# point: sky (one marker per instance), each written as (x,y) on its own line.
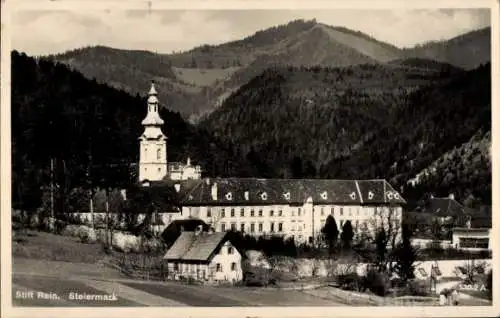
(165,31)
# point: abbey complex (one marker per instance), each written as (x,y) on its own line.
(294,208)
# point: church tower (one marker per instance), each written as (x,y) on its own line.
(153,143)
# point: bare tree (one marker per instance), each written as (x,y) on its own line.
(386,225)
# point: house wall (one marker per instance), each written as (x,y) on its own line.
(474,235)
(186,173)
(226,261)
(299,222)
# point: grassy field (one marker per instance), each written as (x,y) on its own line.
(46,246)
(203,77)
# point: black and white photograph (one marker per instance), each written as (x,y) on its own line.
(248,157)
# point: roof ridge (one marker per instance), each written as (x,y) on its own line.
(294,179)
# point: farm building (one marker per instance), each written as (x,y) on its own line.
(204,256)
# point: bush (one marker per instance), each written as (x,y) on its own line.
(351,281)
(257,276)
(377,282)
(416,288)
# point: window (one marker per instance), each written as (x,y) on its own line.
(209,213)
(298,212)
(223,227)
(222,213)
(260,227)
(271,213)
(272,227)
(260,212)
(159,169)
(332,210)
(293,212)
(242,227)
(230,250)
(341,211)
(280,213)
(473,242)
(252,212)
(350,211)
(233,266)
(219,267)
(233,226)
(322,211)
(232,213)
(242,212)
(252,227)
(280,227)
(158,154)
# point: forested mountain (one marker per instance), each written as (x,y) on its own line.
(310,122)
(88,127)
(466,51)
(197,81)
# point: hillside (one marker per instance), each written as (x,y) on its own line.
(309,122)
(432,122)
(311,115)
(466,51)
(58,113)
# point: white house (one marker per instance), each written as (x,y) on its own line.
(204,256)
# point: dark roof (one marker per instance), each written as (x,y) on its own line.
(445,207)
(196,247)
(291,191)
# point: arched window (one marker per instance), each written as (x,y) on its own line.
(158,154)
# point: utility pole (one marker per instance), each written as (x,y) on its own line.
(91,192)
(51,220)
(107,217)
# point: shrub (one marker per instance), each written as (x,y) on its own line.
(377,282)
(256,276)
(416,288)
(351,281)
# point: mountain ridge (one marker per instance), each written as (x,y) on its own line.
(197,80)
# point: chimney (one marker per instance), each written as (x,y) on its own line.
(214,191)
(451,196)
(177,187)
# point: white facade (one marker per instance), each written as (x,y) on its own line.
(298,222)
(153,143)
(473,239)
(180,171)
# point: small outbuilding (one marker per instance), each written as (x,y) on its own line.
(204,256)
